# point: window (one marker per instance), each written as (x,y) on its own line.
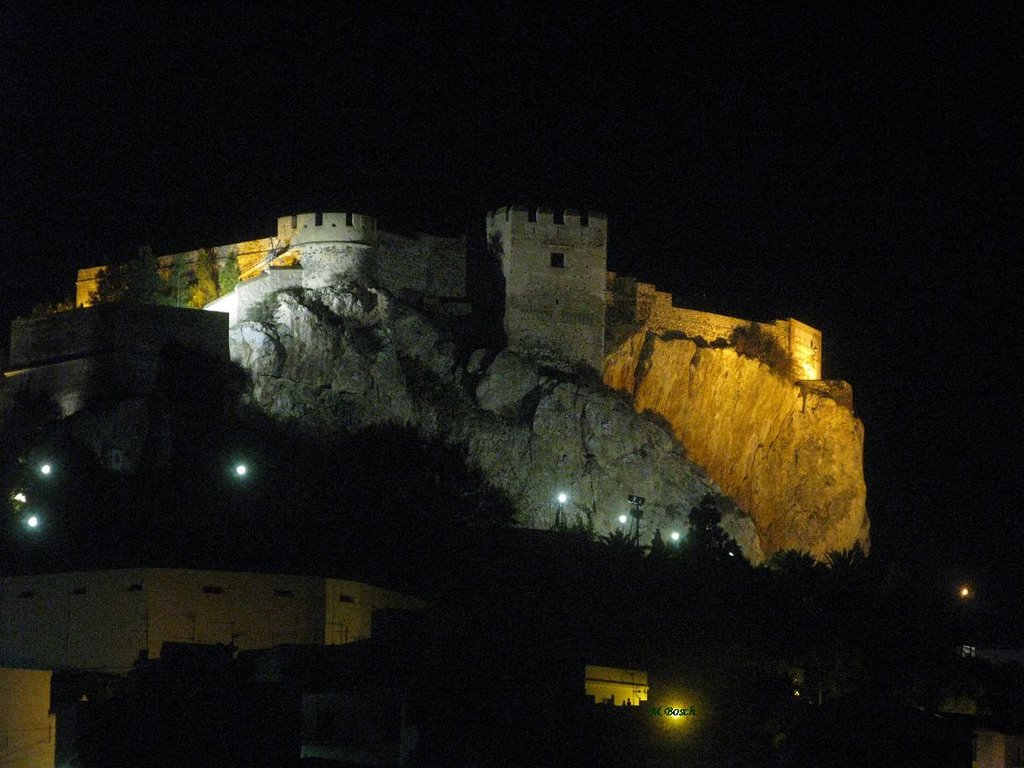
(346,599)
(318,219)
(213,590)
(348,219)
(559,217)
(531,214)
(584,219)
(284,593)
(295,221)
(134,588)
(115,459)
(558,260)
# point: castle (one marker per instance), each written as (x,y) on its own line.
(561,305)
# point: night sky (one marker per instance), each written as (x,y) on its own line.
(859,172)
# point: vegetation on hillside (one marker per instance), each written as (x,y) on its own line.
(752,341)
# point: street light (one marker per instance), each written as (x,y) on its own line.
(560,514)
(241,469)
(675,536)
(636,502)
(46,468)
(32,521)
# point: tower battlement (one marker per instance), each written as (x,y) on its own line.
(344,227)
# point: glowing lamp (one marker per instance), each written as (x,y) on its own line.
(964,592)
(241,469)
(19,496)
(32,521)
(562,498)
(46,469)
(623,519)
(675,536)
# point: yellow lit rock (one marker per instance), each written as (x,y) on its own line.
(789,454)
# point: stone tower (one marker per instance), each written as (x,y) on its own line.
(329,245)
(555,267)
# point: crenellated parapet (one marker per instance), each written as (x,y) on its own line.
(327,227)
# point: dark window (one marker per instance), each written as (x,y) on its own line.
(284,593)
(584,219)
(346,599)
(134,588)
(213,590)
(559,217)
(348,219)
(27,593)
(531,214)
(78,591)
(295,221)
(558,260)
(318,219)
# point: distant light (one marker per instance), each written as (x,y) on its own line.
(562,498)
(241,469)
(46,469)
(19,496)
(32,522)
(731,553)
(964,592)
(623,518)
(675,535)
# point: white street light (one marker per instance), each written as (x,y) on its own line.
(623,519)
(241,469)
(675,535)
(46,469)
(562,498)
(32,521)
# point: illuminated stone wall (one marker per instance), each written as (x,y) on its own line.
(101,620)
(27,729)
(634,304)
(555,274)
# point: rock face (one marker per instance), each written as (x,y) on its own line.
(790,456)
(349,356)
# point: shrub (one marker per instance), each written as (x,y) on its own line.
(751,340)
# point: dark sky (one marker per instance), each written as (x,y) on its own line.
(859,172)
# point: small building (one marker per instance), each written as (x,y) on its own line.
(106,620)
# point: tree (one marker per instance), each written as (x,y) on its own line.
(178,282)
(137,280)
(706,534)
(229,274)
(204,285)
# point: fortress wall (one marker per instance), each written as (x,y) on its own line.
(250,254)
(427,265)
(251,292)
(137,328)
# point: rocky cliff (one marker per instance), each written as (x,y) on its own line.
(348,356)
(789,454)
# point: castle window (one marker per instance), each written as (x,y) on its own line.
(213,590)
(584,219)
(558,260)
(134,588)
(115,459)
(531,214)
(346,599)
(559,217)
(295,221)
(318,219)
(348,219)
(284,593)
